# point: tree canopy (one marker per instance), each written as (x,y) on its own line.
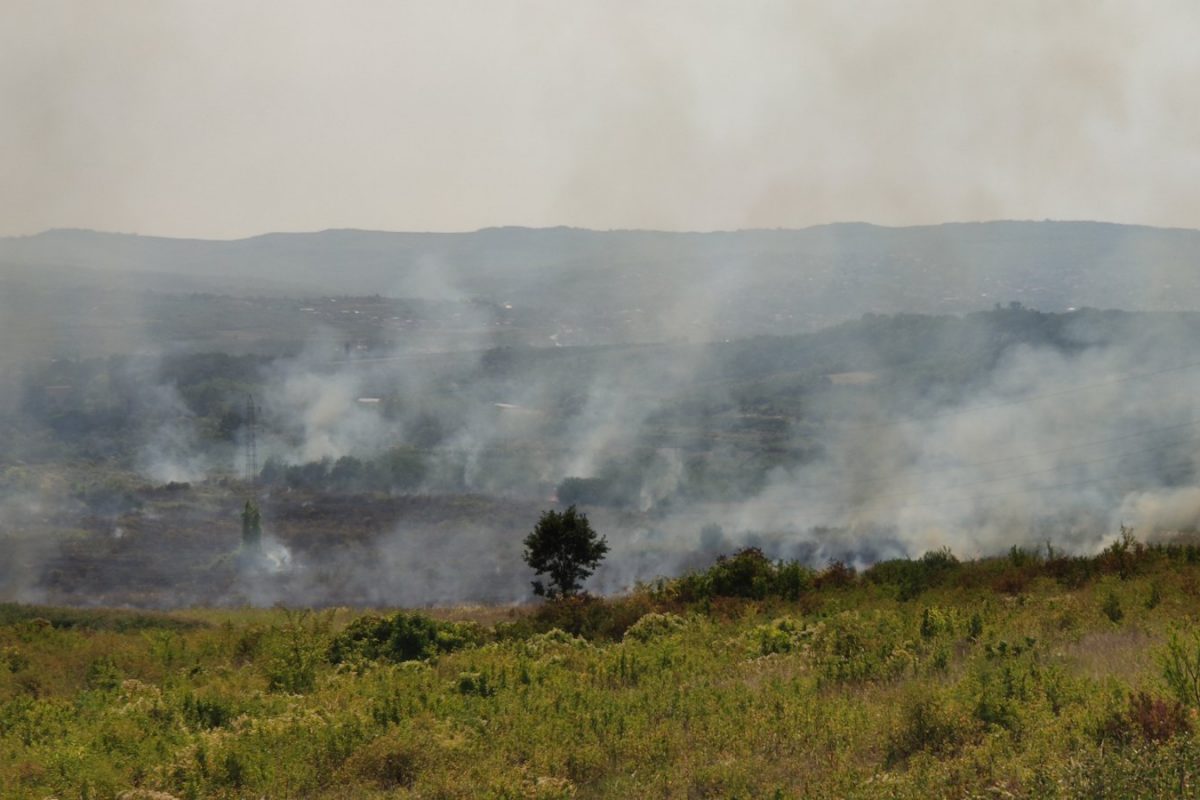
(564,547)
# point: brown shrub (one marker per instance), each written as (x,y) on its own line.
(837,575)
(1012,581)
(387,762)
(594,617)
(1157,719)
(1150,718)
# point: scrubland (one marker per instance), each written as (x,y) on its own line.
(1033,674)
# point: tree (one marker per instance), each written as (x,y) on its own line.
(564,547)
(251,528)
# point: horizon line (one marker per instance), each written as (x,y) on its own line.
(581,229)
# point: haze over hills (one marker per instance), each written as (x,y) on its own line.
(836,391)
(653,285)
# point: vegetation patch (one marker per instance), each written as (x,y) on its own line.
(854,689)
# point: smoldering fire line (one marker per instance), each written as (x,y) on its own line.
(1074,438)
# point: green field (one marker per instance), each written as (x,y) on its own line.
(1030,675)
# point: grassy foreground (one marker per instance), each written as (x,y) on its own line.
(1032,675)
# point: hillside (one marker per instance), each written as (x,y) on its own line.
(1031,675)
(654,285)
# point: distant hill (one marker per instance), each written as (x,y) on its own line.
(649,284)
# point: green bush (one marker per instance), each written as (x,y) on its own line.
(914,577)
(654,626)
(293,652)
(935,622)
(1180,663)
(475,683)
(103,674)
(207,711)
(852,647)
(593,618)
(387,762)
(400,637)
(748,574)
(926,725)
(975,627)
(1112,607)
(781,635)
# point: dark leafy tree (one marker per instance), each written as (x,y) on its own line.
(564,547)
(251,528)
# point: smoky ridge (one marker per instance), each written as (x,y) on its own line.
(403,445)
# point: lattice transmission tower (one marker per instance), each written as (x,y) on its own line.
(251,439)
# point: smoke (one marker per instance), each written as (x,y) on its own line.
(321,413)
(172,451)
(454,116)
(1060,442)
(869,440)
(1053,445)
(879,438)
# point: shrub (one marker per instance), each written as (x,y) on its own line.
(975,627)
(1019,557)
(293,652)
(1112,607)
(926,725)
(1156,719)
(400,637)
(475,683)
(1070,571)
(1123,555)
(850,647)
(387,762)
(1153,719)
(103,675)
(914,577)
(996,707)
(792,580)
(1180,663)
(837,575)
(653,626)
(1009,676)
(593,618)
(781,635)
(935,622)
(747,574)
(12,659)
(552,640)
(206,712)
(1012,581)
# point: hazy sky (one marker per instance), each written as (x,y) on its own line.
(219,118)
